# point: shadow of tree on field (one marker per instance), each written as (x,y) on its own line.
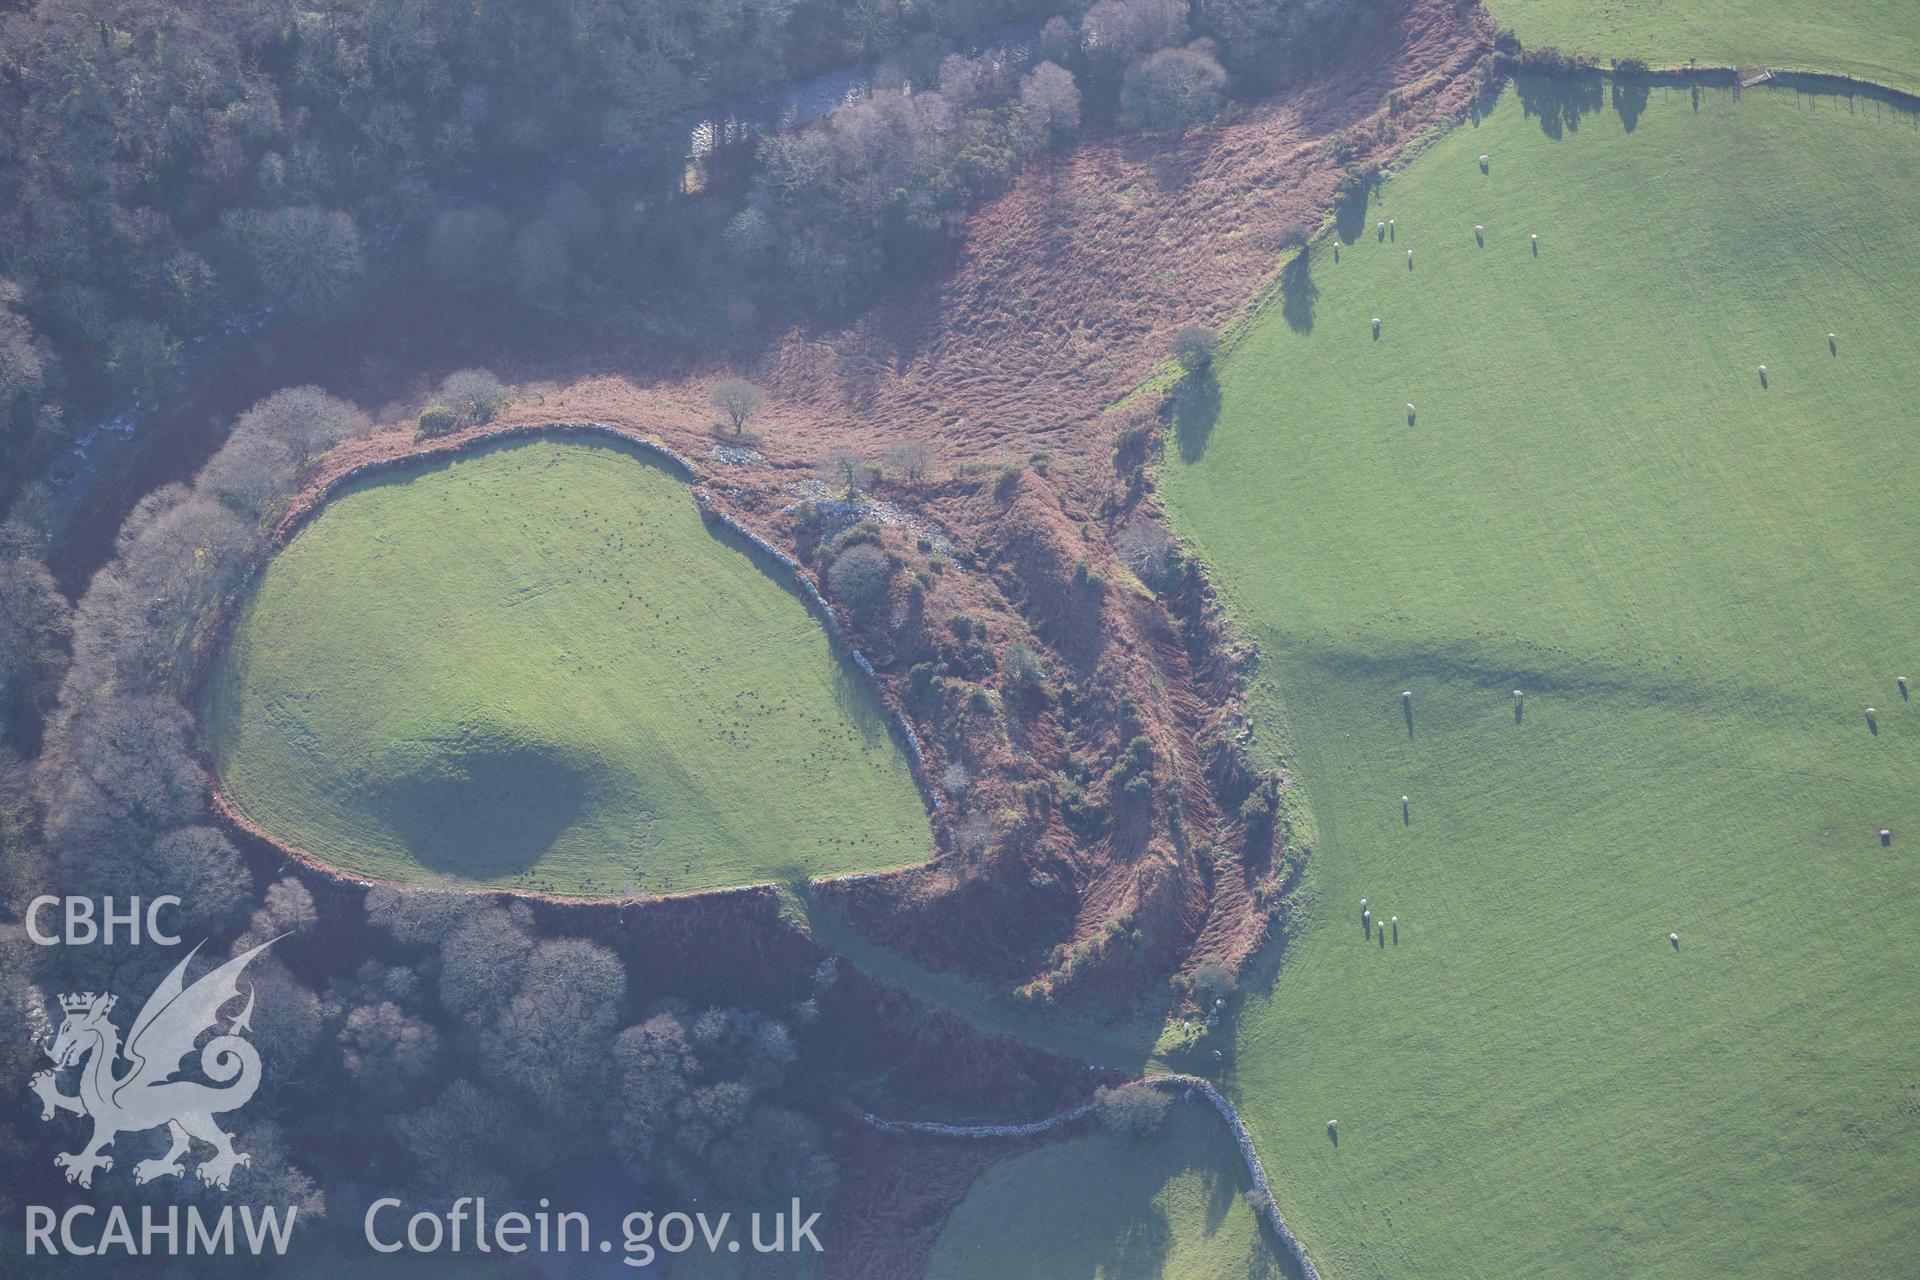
(1350,213)
(1630,99)
(1484,102)
(1559,101)
(1298,293)
(1196,407)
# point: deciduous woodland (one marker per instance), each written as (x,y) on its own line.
(169,169)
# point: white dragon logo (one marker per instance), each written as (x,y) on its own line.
(146,1096)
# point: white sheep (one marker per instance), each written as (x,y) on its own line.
(1406,695)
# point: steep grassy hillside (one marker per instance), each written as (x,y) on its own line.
(1108,1207)
(536,666)
(1700,579)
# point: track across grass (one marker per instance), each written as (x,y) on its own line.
(1700,581)
(1876,40)
(536,666)
(1109,1207)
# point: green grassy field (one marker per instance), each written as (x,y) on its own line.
(1107,1207)
(1876,40)
(537,667)
(1701,583)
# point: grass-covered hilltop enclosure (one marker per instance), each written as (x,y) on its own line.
(1598,554)
(537,667)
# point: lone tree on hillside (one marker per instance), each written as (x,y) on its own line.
(913,459)
(739,400)
(1194,346)
(842,466)
(1146,546)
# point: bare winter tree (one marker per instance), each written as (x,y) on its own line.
(265,456)
(308,258)
(117,776)
(552,1039)
(481,961)
(474,394)
(386,1049)
(845,468)
(1146,546)
(738,399)
(1052,102)
(912,459)
(35,626)
(288,909)
(1118,32)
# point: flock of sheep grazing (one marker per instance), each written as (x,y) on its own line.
(1377,932)
(1388,230)
(1371,934)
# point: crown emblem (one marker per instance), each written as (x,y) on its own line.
(85,1002)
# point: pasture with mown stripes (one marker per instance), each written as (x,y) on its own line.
(1651,1005)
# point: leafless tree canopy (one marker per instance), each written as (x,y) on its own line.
(1146,546)
(738,399)
(910,459)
